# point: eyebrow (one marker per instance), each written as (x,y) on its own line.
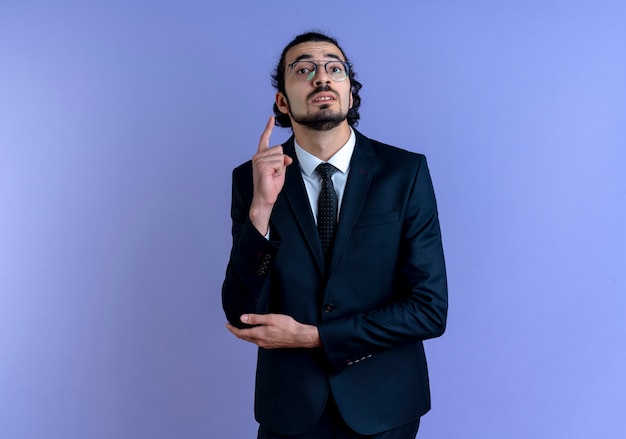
(308,56)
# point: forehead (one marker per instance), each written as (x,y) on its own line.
(313,50)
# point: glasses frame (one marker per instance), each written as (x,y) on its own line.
(346,65)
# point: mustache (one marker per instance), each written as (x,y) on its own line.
(321,88)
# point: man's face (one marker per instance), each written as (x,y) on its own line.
(319,103)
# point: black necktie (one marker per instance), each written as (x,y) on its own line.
(326,208)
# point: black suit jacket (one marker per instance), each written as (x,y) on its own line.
(383,293)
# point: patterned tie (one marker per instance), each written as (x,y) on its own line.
(326,208)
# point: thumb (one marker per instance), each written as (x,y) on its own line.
(253,319)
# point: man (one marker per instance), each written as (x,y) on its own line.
(336,273)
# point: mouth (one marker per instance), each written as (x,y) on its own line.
(323,99)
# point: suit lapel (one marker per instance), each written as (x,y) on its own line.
(361,170)
(297,202)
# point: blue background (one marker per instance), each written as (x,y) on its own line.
(120,122)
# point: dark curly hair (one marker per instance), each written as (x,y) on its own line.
(278,78)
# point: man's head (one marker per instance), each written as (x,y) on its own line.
(315,84)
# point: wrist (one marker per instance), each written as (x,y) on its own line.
(312,337)
(260,217)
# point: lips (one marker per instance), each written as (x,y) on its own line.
(323,98)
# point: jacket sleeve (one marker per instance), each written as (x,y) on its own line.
(246,285)
(419,308)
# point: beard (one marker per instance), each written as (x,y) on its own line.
(321,121)
(324,120)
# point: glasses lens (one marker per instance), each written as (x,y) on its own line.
(304,70)
(337,70)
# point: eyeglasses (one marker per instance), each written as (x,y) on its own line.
(306,70)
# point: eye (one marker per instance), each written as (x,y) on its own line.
(336,68)
(302,69)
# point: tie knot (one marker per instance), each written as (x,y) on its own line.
(325,170)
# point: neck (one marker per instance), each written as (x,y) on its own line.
(322,144)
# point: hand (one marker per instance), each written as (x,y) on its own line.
(272,331)
(268,174)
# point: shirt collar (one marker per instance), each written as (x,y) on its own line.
(340,160)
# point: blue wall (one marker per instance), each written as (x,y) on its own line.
(121,121)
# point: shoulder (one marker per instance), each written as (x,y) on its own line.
(242,175)
(385,153)
(244,168)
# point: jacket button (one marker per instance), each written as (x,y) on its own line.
(329,307)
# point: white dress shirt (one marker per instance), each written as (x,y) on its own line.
(313,182)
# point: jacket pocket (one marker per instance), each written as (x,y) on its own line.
(376,219)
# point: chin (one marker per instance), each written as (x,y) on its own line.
(323,120)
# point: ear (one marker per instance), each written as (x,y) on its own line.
(282,103)
(351,100)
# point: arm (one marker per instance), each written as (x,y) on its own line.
(245,291)
(252,203)
(419,306)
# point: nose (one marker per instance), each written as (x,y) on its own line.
(321,76)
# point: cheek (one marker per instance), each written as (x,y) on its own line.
(348,95)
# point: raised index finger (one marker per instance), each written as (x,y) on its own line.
(264,143)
